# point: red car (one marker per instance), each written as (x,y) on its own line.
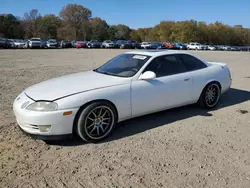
(81,44)
(170,45)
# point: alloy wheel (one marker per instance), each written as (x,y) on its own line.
(99,122)
(212,95)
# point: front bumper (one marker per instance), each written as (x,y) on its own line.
(47,137)
(20,46)
(52,45)
(95,46)
(35,45)
(29,121)
(110,46)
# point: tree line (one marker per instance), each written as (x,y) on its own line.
(75,22)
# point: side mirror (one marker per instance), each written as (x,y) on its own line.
(148,75)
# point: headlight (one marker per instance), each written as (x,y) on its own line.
(42,106)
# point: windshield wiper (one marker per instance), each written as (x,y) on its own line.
(104,72)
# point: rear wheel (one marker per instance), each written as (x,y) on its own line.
(210,96)
(96,121)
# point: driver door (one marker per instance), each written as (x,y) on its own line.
(171,88)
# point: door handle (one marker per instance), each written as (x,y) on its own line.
(186,79)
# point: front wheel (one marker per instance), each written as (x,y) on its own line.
(210,96)
(96,121)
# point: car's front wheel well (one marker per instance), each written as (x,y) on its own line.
(87,104)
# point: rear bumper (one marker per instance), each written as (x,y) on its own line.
(226,86)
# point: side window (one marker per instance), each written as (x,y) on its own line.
(165,66)
(191,63)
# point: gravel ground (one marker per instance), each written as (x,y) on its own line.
(179,148)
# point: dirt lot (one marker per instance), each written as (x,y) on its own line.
(180,148)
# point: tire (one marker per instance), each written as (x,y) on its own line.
(96,121)
(210,96)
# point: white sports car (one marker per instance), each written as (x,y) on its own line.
(131,84)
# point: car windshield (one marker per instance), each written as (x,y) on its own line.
(155,43)
(124,65)
(35,40)
(122,41)
(51,40)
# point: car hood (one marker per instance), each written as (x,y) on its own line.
(19,42)
(72,84)
(35,41)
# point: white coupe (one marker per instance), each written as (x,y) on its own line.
(131,84)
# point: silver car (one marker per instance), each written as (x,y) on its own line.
(52,43)
(35,43)
(108,44)
(19,43)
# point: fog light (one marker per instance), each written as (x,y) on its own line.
(44,128)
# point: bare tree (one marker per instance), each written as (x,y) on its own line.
(75,18)
(32,15)
(30,23)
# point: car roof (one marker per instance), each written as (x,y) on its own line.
(155,53)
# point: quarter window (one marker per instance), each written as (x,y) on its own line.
(191,63)
(165,66)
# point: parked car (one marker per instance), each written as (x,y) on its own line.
(52,43)
(44,44)
(180,46)
(226,48)
(129,85)
(94,44)
(244,48)
(146,45)
(122,44)
(234,48)
(26,44)
(81,44)
(134,44)
(169,45)
(65,44)
(108,44)
(18,43)
(5,43)
(35,43)
(10,43)
(196,46)
(219,47)
(155,45)
(210,47)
